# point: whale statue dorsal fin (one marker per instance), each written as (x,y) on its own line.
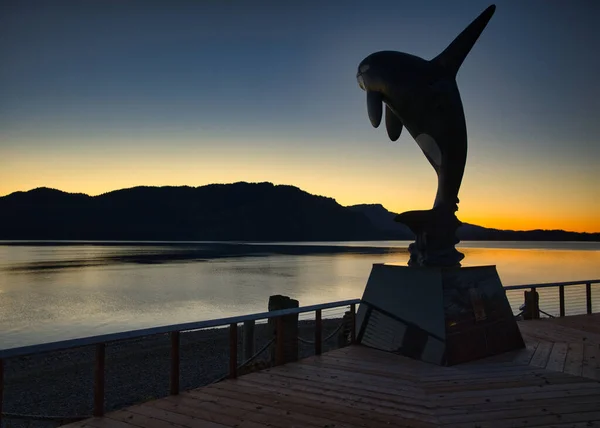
(453,56)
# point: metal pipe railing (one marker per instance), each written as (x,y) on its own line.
(552,284)
(561,295)
(174,331)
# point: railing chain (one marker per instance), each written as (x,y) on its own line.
(248,361)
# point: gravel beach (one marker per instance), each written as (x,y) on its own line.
(60,384)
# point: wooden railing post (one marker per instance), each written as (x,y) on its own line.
(561,298)
(99,380)
(1,388)
(318,332)
(352,323)
(588,297)
(233,350)
(174,384)
(279,341)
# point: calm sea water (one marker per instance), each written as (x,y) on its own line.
(55,291)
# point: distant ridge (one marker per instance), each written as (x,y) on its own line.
(384,220)
(217,212)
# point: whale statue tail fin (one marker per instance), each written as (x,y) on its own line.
(453,56)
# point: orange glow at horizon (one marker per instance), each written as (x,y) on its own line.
(357,177)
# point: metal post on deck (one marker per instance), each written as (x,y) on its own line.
(318,332)
(174,384)
(279,342)
(352,323)
(588,297)
(99,380)
(561,298)
(232,350)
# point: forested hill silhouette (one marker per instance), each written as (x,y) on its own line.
(239,211)
(220,212)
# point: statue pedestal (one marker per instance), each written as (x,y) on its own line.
(440,315)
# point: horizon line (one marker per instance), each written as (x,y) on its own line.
(275,185)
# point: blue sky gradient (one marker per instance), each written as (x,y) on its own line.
(100,95)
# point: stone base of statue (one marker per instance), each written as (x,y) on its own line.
(439,315)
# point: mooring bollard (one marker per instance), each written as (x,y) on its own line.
(290,329)
(532,305)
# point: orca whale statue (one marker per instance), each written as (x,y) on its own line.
(423,97)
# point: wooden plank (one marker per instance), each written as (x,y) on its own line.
(369,355)
(537,394)
(591,361)
(561,410)
(345,399)
(316,391)
(344,414)
(390,400)
(517,403)
(555,331)
(557,358)
(546,379)
(266,413)
(578,384)
(171,418)
(541,355)
(587,424)
(523,356)
(387,400)
(347,385)
(490,374)
(141,420)
(210,412)
(315,401)
(396,364)
(331,371)
(584,322)
(375,370)
(99,423)
(532,421)
(574,360)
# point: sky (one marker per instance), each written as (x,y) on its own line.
(99,95)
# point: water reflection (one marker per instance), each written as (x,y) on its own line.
(83,290)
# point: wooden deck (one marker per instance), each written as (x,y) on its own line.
(554,382)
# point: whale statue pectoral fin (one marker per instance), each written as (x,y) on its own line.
(456,52)
(393,124)
(374,107)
